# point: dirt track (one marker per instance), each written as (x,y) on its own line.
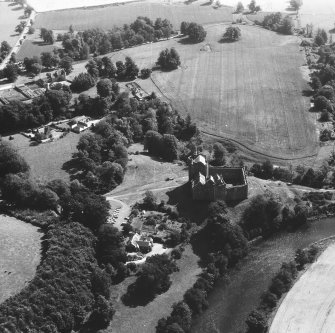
(309,307)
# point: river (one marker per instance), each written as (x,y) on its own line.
(229,305)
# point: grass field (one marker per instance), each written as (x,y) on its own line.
(20,245)
(144,318)
(250,91)
(46,160)
(146,173)
(9,19)
(32,48)
(309,305)
(108,17)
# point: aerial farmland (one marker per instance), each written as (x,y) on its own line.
(167,166)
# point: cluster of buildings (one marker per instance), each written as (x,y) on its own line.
(137,91)
(211,183)
(82,123)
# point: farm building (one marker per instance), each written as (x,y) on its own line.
(211,183)
(142,242)
(82,123)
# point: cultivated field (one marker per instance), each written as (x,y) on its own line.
(20,245)
(309,305)
(46,160)
(110,16)
(9,19)
(250,91)
(144,318)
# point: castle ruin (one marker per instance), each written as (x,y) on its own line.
(213,183)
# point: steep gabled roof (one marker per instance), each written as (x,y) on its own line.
(200,159)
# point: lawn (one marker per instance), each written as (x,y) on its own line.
(144,318)
(20,246)
(32,48)
(110,16)
(147,173)
(46,160)
(309,305)
(10,18)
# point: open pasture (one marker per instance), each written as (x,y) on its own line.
(309,305)
(250,91)
(9,19)
(110,16)
(31,48)
(46,160)
(20,246)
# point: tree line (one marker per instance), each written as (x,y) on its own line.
(257,321)
(279,23)
(99,42)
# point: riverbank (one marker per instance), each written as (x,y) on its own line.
(231,303)
(308,306)
(20,248)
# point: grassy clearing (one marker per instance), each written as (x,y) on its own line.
(46,160)
(32,48)
(110,16)
(144,318)
(20,245)
(146,173)
(309,305)
(10,18)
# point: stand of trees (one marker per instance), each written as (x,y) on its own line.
(220,245)
(4,50)
(79,46)
(195,32)
(102,156)
(265,216)
(253,7)
(232,34)
(17,116)
(153,279)
(296,4)
(168,59)
(278,23)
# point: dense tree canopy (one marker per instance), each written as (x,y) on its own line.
(169,59)
(194,31)
(232,34)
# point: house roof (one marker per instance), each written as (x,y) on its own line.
(200,159)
